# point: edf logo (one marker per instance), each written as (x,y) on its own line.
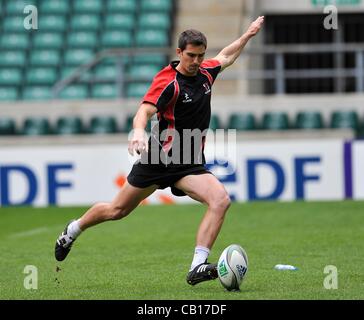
(300,177)
(52,183)
(266,178)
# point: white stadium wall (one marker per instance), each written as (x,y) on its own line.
(272,170)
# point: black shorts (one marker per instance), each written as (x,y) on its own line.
(145,175)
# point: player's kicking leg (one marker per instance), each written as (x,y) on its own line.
(126,201)
(206,189)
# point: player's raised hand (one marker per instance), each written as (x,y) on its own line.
(255,26)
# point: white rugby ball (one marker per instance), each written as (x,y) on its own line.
(232,267)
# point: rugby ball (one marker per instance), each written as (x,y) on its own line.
(232,267)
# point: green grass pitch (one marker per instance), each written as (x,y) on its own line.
(147,255)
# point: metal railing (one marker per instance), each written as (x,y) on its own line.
(279,73)
(121,78)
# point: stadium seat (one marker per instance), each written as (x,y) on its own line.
(45,57)
(37,76)
(156,5)
(156,58)
(309,120)
(87,6)
(10,76)
(48,40)
(154,21)
(106,73)
(66,71)
(69,125)
(52,23)
(123,6)
(151,38)
(76,57)
(215,122)
(16,7)
(14,41)
(120,21)
(116,38)
(36,126)
(241,121)
(7,126)
(103,125)
(12,58)
(82,39)
(54,7)
(360,130)
(275,121)
(107,61)
(37,93)
(74,92)
(137,90)
(86,22)
(104,91)
(8,93)
(128,126)
(344,119)
(144,72)
(13,24)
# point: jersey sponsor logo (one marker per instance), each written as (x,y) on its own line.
(207,88)
(187,98)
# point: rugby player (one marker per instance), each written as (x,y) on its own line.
(180,95)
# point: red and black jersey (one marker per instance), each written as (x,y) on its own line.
(183,102)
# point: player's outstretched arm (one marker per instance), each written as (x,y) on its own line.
(138,142)
(229,54)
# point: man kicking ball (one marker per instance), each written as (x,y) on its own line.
(180,95)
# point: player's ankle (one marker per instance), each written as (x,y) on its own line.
(200,256)
(74,229)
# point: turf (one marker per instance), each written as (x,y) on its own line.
(147,255)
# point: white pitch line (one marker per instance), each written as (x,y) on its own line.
(28,233)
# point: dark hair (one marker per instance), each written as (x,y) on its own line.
(193,37)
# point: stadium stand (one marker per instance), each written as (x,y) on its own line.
(69,126)
(7,126)
(36,126)
(215,122)
(309,120)
(103,125)
(275,121)
(242,121)
(70,33)
(345,119)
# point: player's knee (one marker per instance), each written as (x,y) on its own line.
(226,202)
(110,212)
(221,203)
(118,212)
(102,208)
